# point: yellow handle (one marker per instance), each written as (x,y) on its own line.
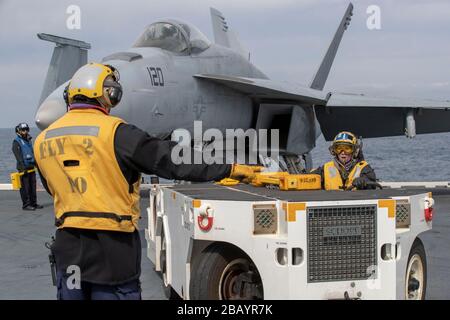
(228,182)
(15,178)
(28,171)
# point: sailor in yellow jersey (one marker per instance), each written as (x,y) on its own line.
(347,170)
(90,162)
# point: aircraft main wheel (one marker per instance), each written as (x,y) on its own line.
(416,272)
(168,290)
(225,273)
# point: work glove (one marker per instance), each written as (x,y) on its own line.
(360,183)
(243,172)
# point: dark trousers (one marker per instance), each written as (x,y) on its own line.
(90,291)
(28,190)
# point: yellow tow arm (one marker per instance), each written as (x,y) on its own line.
(282,180)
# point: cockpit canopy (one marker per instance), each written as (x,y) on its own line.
(173,35)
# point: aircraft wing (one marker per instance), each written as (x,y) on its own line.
(361,100)
(367,116)
(268,90)
(382,116)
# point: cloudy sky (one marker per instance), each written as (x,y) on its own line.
(409,56)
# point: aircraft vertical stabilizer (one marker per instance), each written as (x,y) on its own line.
(321,76)
(225,36)
(68,56)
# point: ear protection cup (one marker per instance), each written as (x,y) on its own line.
(66,95)
(112,94)
(331,149)
(115,93)
(114,88)
(359,146)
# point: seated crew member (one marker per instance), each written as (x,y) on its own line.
(348,169)
(90,162)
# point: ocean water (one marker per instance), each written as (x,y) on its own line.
(423,158)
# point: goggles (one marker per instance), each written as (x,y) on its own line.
(24,129)
(343,148)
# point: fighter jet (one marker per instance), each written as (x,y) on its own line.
(173,75)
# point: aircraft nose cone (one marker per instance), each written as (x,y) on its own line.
(49,111)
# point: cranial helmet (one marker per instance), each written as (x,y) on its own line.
(22,127)
(95,82)
(347,142)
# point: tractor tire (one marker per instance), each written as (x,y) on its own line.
(224,272)
(416,272)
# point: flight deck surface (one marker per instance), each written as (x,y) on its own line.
(25,271)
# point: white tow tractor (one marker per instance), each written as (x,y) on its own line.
(244,242)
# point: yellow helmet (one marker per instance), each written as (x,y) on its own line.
(345,140)
(96,81)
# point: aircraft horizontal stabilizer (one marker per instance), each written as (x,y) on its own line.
(380,116)
(267,90)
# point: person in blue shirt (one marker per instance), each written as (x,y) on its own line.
(23,151)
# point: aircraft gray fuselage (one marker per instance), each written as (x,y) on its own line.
(160,93)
